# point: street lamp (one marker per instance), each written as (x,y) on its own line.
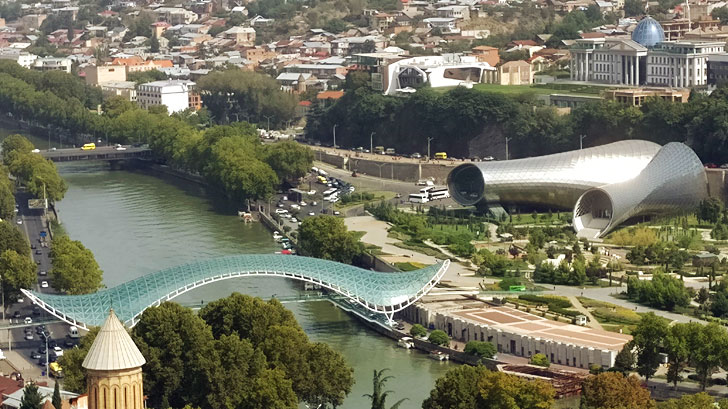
(507,140)
(371,142)
(268,118)
(335,125)
(581,140)
(429,139)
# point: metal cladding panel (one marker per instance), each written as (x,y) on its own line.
(552,180)
(673,181)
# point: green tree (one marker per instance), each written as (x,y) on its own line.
(540,360)
(356,79)
(75,269)
(633,8)
(32,398)
(697,401)
(12,239)
(720,13)
(708,350)
(326,237)
(677,347)
(379,395)
(74,375)
(439,337)
(710,210)
(15,143)
(481,349)
(648,338)
(56,400)
(467,387)
(418,330)
(290,160)
(154,44)
(624,361)
(335,26)
(612,390)
(17,271)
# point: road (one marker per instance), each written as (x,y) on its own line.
(32,224)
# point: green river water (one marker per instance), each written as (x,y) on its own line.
(136,223)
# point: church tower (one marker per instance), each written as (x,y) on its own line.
(114,369)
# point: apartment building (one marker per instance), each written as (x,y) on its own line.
(174,94)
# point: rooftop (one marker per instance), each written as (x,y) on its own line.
(113,348)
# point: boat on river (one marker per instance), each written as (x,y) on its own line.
(406,343)
(439,356)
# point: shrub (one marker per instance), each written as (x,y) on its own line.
(439,337)
(417,331)
(481,349)
(540,360)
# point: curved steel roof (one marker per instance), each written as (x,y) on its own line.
(673,181)
(552,180)
(380,292)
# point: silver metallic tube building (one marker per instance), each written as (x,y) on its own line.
(553,180)
(673,181)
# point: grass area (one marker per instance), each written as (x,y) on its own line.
(378,196)
(422,248)
(409,266)
(542,89)
(557,218)
(613,317)
(455,228)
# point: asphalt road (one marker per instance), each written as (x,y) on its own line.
(32,224)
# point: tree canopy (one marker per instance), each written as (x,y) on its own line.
(327,237)
(75,269)
(612,390)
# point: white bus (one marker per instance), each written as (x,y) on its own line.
(426,189)
(418,198)
(438,193)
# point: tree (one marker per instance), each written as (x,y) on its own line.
(32,399)
(75,269)
(17,271)
(289,160)
(612,390)
(677,347)
(56,401)
(154,44)
(335,26)
(418,330)
(439,337)
(15,143)
(710,210)
(624,361)
(633,8)
(540,360)
(378,395)
(356,79)
(708,350)
(468,387)
(74,379)
(326,237)
(481,349)
(720,13)
(12,239)
(537,238)
(697,401)
(328,379)
(647,338)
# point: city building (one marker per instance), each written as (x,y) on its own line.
(174,94)
(445,70)
(647,58)
(124,89)
(23,58)
(113,367)
(604,185)
(637,96)
(487,54)
(514,73)
(96,75)
(175,15)
(717,70)
(241,35)
(682,63)
(678,28)
(51,64)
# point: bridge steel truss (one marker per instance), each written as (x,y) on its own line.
(385,293)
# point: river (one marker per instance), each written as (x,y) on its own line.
(136,223)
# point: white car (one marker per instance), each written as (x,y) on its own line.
(36,150)
(120,148)
(311,192)
(58,350)
(336,212)
(302,203)
(294,220)
(295,206)
(311,214)
(281,211)
(28,320)
(20,221)
(44,284)
(287,215)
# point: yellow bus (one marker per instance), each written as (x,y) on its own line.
(441,155)
(88,146)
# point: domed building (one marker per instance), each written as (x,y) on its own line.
(114,369)
(648,32)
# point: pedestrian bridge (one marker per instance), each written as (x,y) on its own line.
(105,153)
(385,293)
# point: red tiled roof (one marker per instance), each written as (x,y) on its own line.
(330,95)
(593,35)
(305,103)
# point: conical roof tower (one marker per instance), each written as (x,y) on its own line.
(114,369)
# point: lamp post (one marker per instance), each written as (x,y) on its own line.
(507,140)
(429,139)
(581,140)
(268,118)
(335,125)
(371,142)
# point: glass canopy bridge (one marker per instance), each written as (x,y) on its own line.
(385,293)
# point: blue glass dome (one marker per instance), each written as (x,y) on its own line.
(648,32)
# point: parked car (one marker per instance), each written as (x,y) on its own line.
(294,220)
(58,351)
(416,156)
(311,214)
(28,320)
(281,211)
(44,284)
(35,355)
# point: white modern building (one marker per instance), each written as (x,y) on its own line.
(23,58)
(174,94)
(681,63)
(52,63)
(447,70)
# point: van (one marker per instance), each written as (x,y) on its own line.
(441,155)
(379,150)
(389,151)
(73,332)
(322,172)
(88,146)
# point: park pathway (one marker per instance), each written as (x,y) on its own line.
(593,323)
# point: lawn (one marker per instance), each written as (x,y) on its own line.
(612,317)
(542,89)
(378,196)
(410,266)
